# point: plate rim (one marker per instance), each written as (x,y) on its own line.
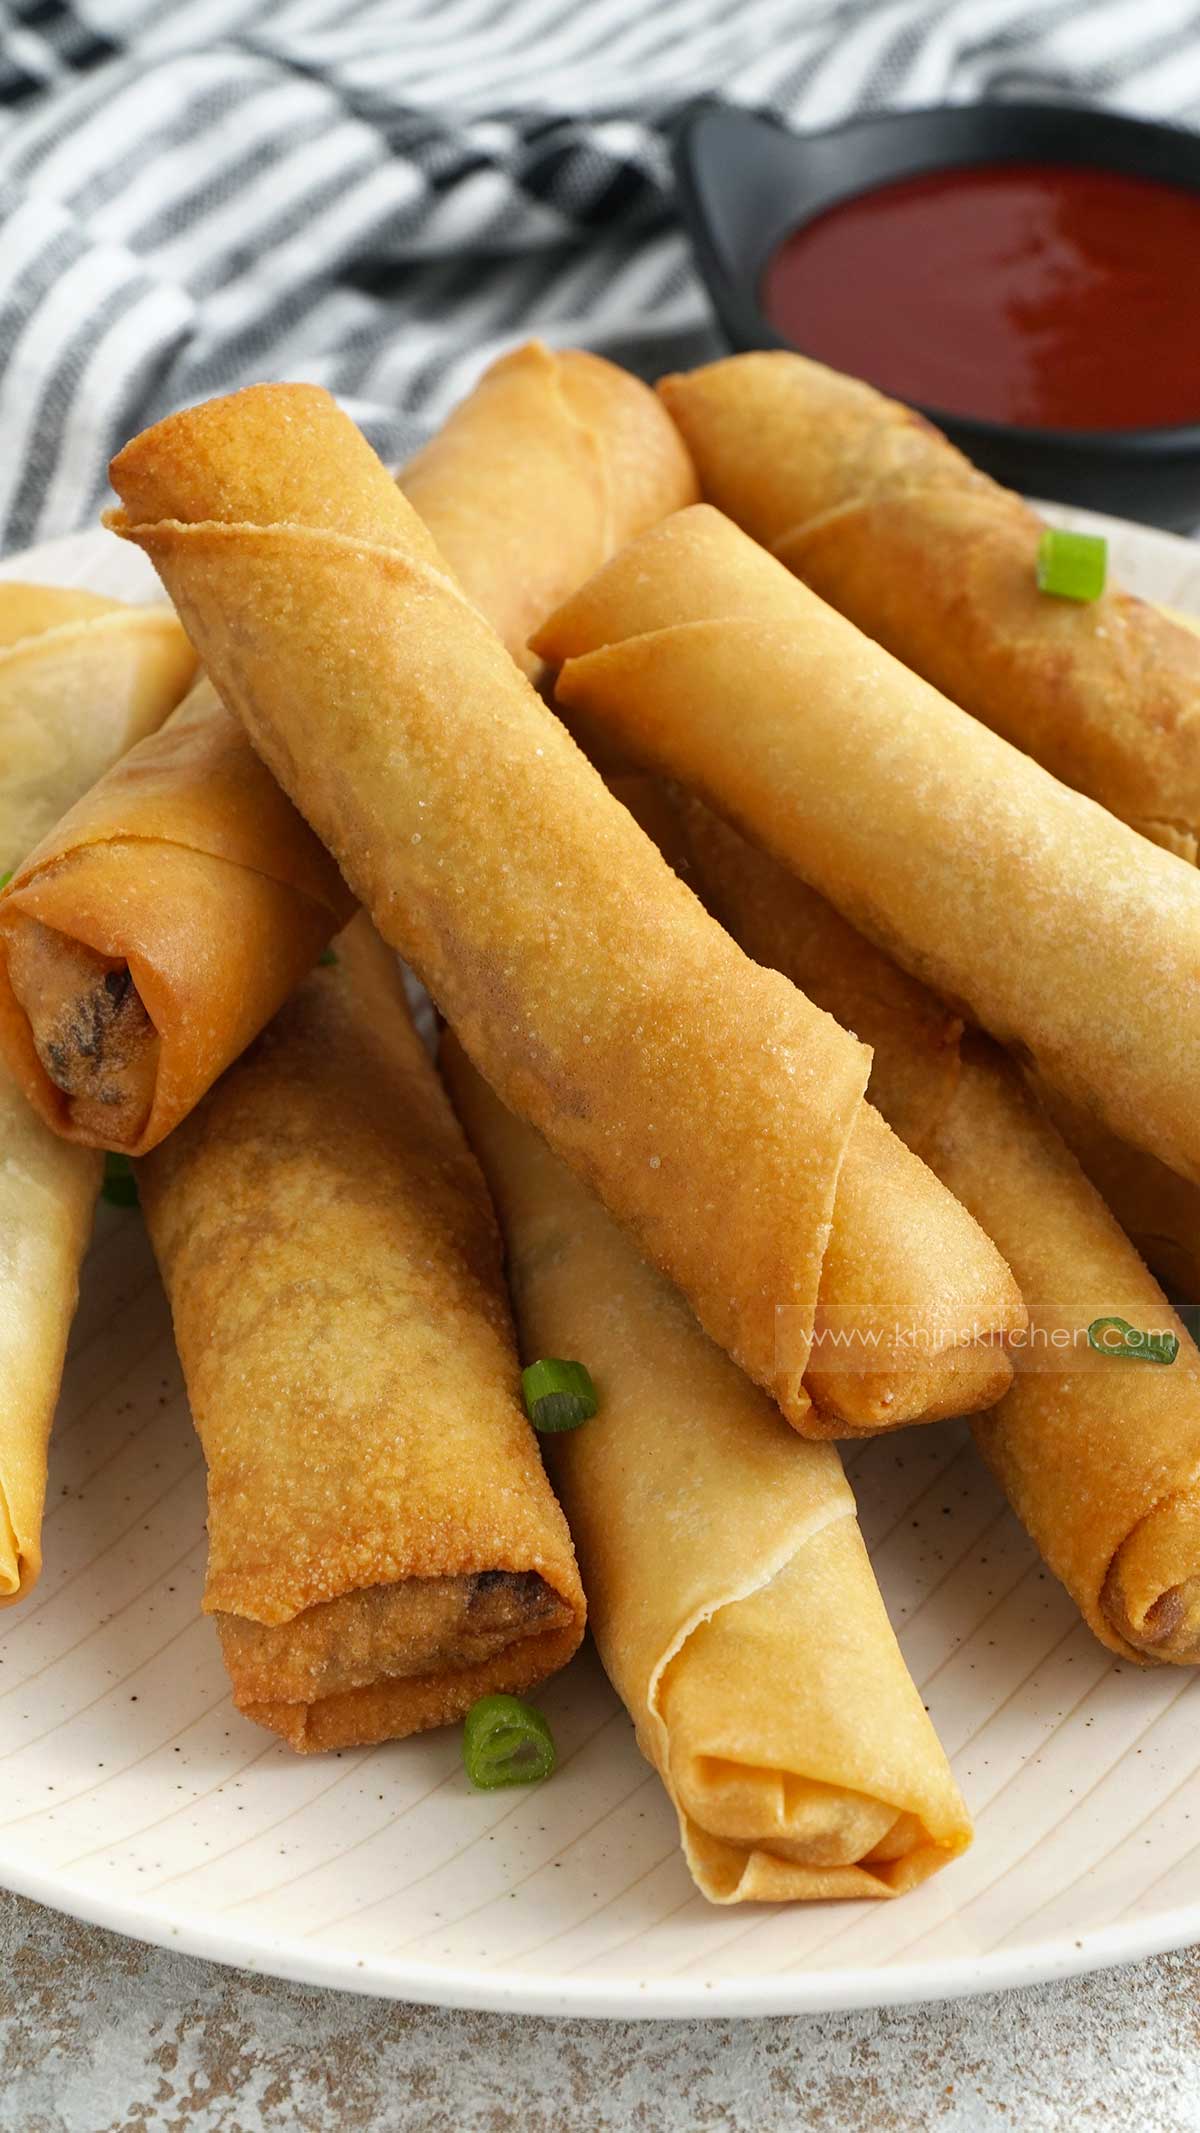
(485,1990)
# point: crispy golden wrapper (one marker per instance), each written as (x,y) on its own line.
(81,679)
(47,1196)
(541,473)
(1158,1210)
(888,522)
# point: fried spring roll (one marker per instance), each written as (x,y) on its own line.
(384,1546)
(1158,1209)
(544,471)
(1099,1456)
(155,931)
(158,928)
(47,1197)
(729,1591)
(711,1106)
(879,513)
(982,875)
(80,679)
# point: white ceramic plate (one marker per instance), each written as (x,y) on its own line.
(132,1793)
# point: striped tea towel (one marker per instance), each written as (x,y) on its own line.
(379,195)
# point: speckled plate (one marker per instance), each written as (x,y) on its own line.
(132,1793)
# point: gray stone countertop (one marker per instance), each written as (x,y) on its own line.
(102,2035)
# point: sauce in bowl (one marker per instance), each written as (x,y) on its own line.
(1050,295)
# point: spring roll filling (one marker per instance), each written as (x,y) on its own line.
(397,1632)
(92,1034)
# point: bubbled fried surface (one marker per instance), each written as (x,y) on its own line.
(883,517)
(334,1276)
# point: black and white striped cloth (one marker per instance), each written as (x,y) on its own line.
(381,194)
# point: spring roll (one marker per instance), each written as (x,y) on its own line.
(1156,1208)
(718,1114)
(47,1198)
(155,931)
(384,1546)
(81,679)
(729,1591)
(543,472)
(1005,891)
(1098,1455)
(879,513)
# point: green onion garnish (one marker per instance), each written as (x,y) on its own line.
(326,959)
(120,1185)
(1072,566)
(6,878)
(506,1742)
(558,1395)
(1116,1337)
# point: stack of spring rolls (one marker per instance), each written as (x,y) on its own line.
(882,517)
(751,1162)
(825,1807)
(717,1112)
(1102,1465)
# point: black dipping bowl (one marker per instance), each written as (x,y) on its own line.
(746,182)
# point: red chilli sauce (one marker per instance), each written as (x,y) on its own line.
(1049,295)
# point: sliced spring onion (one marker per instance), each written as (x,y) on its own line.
(558,1395)
(327,958)
(506,1742)
(1116,1337)
(6,878)
(120,1185)
(1072,566)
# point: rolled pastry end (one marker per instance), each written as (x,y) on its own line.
(799,1819)
(795,1747)
(765,1835)
(904,1857)
(886,1351)
(93,1038)
(20,1567)
(394,1659)
(401,1631)
(1151,1595)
